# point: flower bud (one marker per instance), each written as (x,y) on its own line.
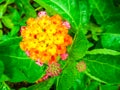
(81,66)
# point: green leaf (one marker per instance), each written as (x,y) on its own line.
(7,40)
(15,16)
(4,86)
(1,68)
(67,9)
(46,6)
(4,78)
(103,68)
(95,31)
(111,25)
(28,9)
(10,1)
(103,51)
(79,47)
(81,82)
(2,9)
(46,85)
(68,77)
(14,31)
(1,25)
(111,41)
(7,22)
(1,1)
(109,87)
(18,67)
(93,85)
(20,7)
(85,12)
(102,10)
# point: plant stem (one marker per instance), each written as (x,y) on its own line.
(38,8)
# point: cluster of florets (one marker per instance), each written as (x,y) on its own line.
(45,38)
(52,70)
(81,66)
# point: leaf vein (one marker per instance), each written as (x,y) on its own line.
(65,12)
(104,64)
(14,57)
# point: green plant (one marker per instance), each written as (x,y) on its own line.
(96,43)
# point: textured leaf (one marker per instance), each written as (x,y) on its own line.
(14,31)
(92,86)
(103,51)
(81,82)
(7,22)
(67,9)
(18,67)
(7,40)
(2,9)
(68,77)
(109,87)
(112,24)
(111,41)
(85,12)
(28,9)
(103,68)
(19,5)
(102,10)
(79,47)
(15,16)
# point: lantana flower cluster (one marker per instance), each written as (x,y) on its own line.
(45,38)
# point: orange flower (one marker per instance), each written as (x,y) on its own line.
(56,19)
(45,38)
(30,21)
(61,49)
(68,40)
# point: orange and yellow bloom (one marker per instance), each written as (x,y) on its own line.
(45,38)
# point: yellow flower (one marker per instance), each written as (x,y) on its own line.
(45,57)
(52,49)
(43,21)
(50,29)
(44,38)
(58,39)
(41,46)
(56,19)
(30,21)
(41,36)
(49,39)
